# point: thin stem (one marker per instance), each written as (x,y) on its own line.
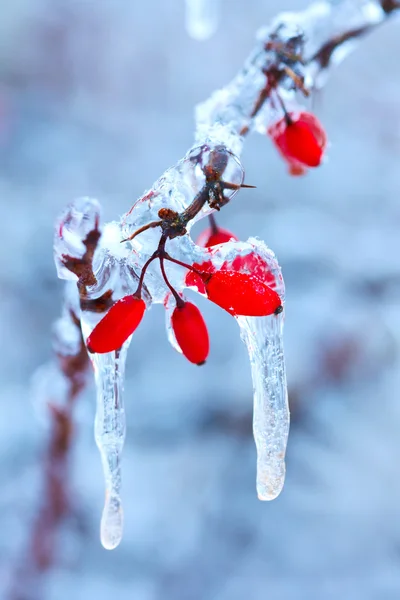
(288,118)
(182,264)
(179,302)
(298,81)
(138,292)
(162,254)
(265,92)
(213,224)
(141,229)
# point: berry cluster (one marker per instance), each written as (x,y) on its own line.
(241,286)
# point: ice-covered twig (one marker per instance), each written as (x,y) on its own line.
(158,259)
(296,48)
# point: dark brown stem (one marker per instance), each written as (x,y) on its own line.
(195,207)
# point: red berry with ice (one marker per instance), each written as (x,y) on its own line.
(119,323)
(191,332)
(241,294)
(301,140)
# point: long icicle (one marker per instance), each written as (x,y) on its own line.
(263,337)
(110,429)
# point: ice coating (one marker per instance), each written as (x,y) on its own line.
(202,18)
(78,219)
(179,186)
(110,430)
(300,45)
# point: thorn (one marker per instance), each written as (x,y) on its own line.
(297,80)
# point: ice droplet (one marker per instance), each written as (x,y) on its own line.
(110,429)
(111,521)
(202,18)
(263,337)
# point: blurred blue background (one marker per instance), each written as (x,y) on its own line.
(97,99)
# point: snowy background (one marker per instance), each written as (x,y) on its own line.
(97,99)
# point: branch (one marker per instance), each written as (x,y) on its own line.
(293,55)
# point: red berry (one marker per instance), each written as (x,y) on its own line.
(301,141)
(119,323)
(253,264)
(207,238)
(241,294)
(191,333)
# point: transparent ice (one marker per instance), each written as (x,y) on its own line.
(109,431)
(222,123)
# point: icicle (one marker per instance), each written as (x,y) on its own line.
(202,18)
(263,338)
(110,428)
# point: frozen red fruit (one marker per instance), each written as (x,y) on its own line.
(119,323)
(253,264)
(207,238)
(191,333)
(301,140)
(241,294)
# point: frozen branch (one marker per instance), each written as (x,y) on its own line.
(158,258)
